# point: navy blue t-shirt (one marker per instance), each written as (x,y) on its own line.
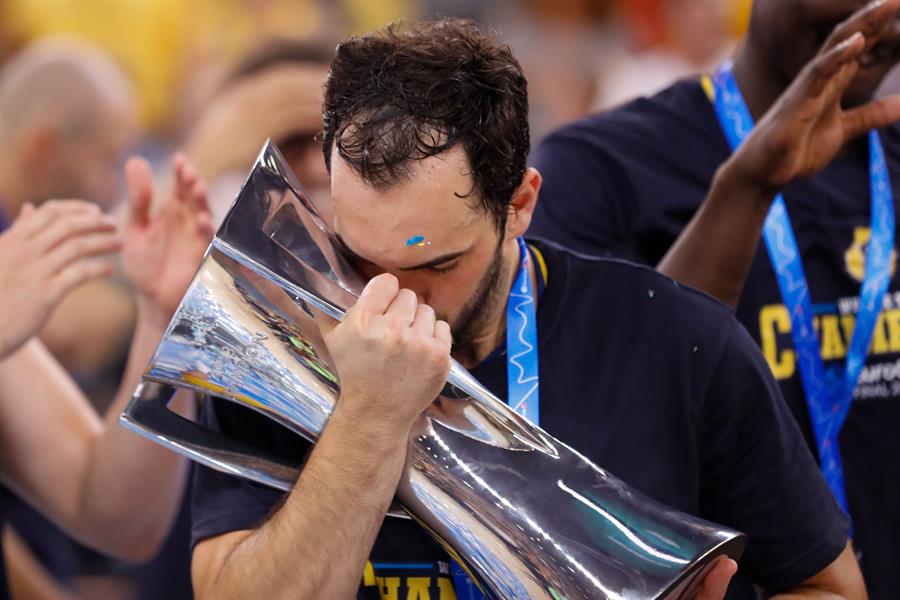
(655,382)
(626,183)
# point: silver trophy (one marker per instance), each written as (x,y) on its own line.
(526,515)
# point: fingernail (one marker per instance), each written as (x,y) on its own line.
(850,40)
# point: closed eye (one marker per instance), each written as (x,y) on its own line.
(444,268)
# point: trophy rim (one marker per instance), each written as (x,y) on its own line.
(732,547)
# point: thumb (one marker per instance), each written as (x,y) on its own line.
(715,584)
(873,115)
(139,179)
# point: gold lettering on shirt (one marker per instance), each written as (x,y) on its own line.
(774,320)
(855,256)
(891,318)
(369,574)
(418,588)
(388,587)
(835,333)
(830,335)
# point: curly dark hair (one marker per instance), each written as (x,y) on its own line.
(416,90)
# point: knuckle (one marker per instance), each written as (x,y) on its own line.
(818,68)
(355,316)
(436,352)
(436,358)
(384,330)
(66,225)
(362,327)
(376,286)
(394,332)
(385,280)
(410,335)
(441,327)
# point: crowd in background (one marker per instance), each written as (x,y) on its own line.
(214,80)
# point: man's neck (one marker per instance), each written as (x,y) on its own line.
(494,331)
(759,81)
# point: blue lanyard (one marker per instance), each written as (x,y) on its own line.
(829,392)
(521,378)
(522,383)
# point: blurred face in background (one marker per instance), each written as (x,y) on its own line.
(698,28)
(86,161)
(790,32)
(67,118)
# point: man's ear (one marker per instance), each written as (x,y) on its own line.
(523,202)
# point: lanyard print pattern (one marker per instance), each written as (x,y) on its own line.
(521,344)
(523,383)
(829,392)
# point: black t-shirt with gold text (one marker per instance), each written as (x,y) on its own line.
(625,184)
(653,381)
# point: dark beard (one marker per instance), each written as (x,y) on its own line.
(478,310)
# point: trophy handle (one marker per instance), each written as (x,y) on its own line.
(148,415)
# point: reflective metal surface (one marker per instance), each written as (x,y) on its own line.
(527,515)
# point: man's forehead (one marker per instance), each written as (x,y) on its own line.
(401,238)
(433,208)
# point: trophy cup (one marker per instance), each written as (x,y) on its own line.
(526,515)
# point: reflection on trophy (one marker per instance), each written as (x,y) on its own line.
(526,515)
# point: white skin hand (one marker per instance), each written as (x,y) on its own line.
(47,252)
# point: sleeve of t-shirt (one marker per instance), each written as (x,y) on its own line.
(222,503)
(581,204)
(758,475)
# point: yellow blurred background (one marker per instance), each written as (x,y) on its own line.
(176,49)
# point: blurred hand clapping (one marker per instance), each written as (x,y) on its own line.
(47,252)
(164,242)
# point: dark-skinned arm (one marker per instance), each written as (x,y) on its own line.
(802,132)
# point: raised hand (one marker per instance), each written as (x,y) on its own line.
(392,355)
(164,243)
(804,130)
(47,252)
